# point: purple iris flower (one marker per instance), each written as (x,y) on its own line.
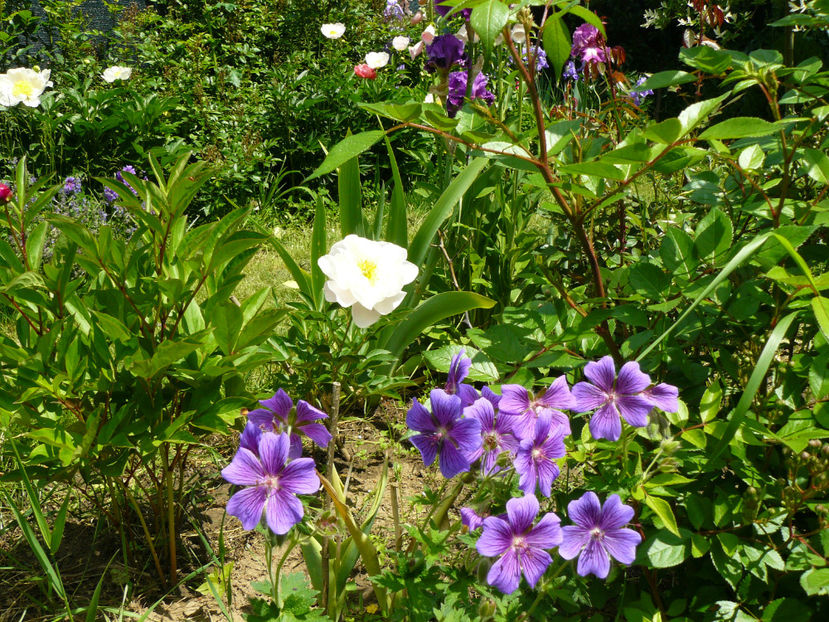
(613,397)
(637,97)
(276,416)
(458,371)
(443,432)
(496,435)
(444,10)
(588,44)
(271,484)
(535,461)
(393,11)
(598,534)
(517,402)
(457,91)
(520,545)
(444,52)
(72,185)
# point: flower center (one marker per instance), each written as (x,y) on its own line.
(271,481)
(596,533)
(491,441)
(519,543)
(537,454)
(369,270)
(22,88)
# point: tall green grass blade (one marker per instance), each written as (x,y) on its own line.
(379,215)
(396,232)
(58,527)
(346,150)
(34,501)
(319,242)
(745,253)
(92,609)
(443,209)
(754,382)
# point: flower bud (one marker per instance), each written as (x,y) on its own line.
(5,193)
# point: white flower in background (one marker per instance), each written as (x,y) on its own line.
(116,72)
(376,60)
(23,85)
(429,99)
(415,50)
(463,35)
(519,34)
(333,31)
(400,43)
(367,276)
(428,34)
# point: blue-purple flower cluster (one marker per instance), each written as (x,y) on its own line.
(270,466)
(524,432)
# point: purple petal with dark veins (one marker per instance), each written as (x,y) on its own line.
(247,505)
(632,380)
(606,423)
(601,373)
(419,419)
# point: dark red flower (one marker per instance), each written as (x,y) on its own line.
(364,71)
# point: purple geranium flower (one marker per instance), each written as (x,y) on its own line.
(663,396)
(496,435)
(276,416)
(444,432)
(598,534)
(613,397)
(520,545)
(638,96)
(444,52)
(271,484)
(457,91)
(72,185)
(250,437)
(458,371)
(535,460)
(517,402)
(471,519)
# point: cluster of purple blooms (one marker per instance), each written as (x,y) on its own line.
(638,96)
(270,466)
(443,10)
(466,427)
(111,195)
(446,52)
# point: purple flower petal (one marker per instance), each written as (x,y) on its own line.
(548,471)
(664,397)
(244,470)
(635,409)
(558,395)
(505,573)
(472,520)
(419,419)
(496,537)
(247,505)
(445,408)
(306,412)
(621,544)
(273,451)
(573,540)
(586,511)
(262,419)
(482,410)
(606,423)
(593,559)
(534,563)
(546,534)
(602,373)
(614,514)
(458,370)
(522,512)
(283,511)
(468,394)
(631,379)
(452,461)
(300,477)
(280,404)
(467,434)
(427,446)
(295,450)
(491,396)
(250,438)
(515,400)
(587,397)
(317,433)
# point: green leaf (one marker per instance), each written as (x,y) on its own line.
(751,158)
(677,252)
(398,112)
(430,312)
(663,550)
(589,16)
(705,59)
(663,510)
(815,581)
(713,235)
(649,280)
(820,307)
(397,227)
(319,245)
(442,210)
(711,401)
(347,149)
(665,132)
(556,40)
(488,20)
(756,379)
(696,113)
(740,127)
(666,78)
(350,196)
(816,163)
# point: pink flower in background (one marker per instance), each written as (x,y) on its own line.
(364,71)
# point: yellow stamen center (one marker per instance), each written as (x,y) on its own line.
(369,270)
(22,88)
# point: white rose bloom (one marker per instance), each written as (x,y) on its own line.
(400,43)
(333,31)
(376,60)
(367,276)
(111,74)
(23,85)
